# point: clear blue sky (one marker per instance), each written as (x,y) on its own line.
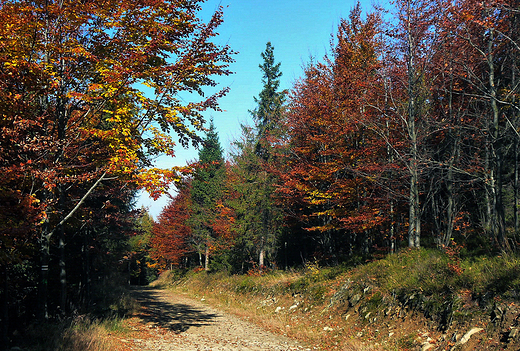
(298,30)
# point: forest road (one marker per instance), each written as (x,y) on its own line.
(169,321)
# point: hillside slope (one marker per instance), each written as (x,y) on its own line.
(414,300)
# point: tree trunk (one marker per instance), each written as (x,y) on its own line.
(4,316)
(63,273)
(206,259)
(516,202)
(414,217)
(43,289)
(498,219)
(414,228)
(261,258)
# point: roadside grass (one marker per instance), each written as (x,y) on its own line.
(341,307)
(83,332)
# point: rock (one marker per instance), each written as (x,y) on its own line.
(347,317)
(467,336)
(426,346)
(278,309)
(513,333)
(327,329)
(368,315)
(293,307)
(354,299)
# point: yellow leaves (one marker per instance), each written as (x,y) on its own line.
(10,65)
(317,197)
(157,181)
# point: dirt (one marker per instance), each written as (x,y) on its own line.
(168,321)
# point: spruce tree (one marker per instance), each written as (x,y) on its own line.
(206,190)
(258,219)
(268,114)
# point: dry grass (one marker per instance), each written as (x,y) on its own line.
(89,335)
(315,305)
(295,304)
(81,332)
(78,334)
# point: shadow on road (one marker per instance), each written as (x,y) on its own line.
(176,317)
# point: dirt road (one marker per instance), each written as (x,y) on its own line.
(174,322)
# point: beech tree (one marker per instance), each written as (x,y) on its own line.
(75,106)
(411,84)
(335,163)
(170,242)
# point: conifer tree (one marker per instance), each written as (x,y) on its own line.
(268,114)
(206,190)
(257,216)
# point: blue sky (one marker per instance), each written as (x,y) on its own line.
(298,30)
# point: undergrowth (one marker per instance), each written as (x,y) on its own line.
(81,332)
(318,304)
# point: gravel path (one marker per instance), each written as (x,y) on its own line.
(169,321)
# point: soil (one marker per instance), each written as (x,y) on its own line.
(168,321)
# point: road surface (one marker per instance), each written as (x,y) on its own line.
(169,321)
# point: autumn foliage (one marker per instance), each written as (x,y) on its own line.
(89,95)
(171,234)
(404,135)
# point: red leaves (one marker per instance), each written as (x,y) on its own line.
(171,233)
(333,153)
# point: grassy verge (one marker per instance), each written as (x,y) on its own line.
(397,303)
(81,332)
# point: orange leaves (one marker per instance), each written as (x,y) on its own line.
(171,234)
(157,181)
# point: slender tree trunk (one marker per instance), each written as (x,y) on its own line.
(450,207)
(392,227)
(4,325)
(414,217)
(206,259)
(414,229)
(86,279)
(63,272)
(261,258)
(488,190)
(516,144)
(498,218)
(450,180)
(45,243)
(515,204)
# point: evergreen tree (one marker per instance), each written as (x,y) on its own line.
(206,191)
(257,219)
(268,114)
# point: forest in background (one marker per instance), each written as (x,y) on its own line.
(405,135)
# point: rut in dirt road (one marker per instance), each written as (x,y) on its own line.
(181,323)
